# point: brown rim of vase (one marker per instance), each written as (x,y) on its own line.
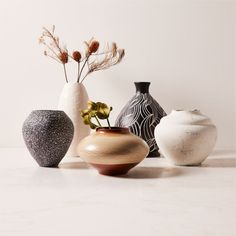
(119,130)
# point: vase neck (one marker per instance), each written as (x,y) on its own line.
(142,87)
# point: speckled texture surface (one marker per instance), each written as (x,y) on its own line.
(48,135)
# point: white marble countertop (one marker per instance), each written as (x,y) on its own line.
(153,199)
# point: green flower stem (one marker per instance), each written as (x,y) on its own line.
(97,121)
(108,123)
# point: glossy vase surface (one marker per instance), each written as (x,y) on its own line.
(48,135)
(186,137)
(142,114)
(113,151)
(73,99)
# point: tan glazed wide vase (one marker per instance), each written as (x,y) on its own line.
(113,151)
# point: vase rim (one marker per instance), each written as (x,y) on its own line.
(113,129)
(189,111)
(142,82)
(73,82)
(48,110)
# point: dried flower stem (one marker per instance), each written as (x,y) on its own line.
(100,60)
(50,49)
(78,71)
(83,68)
(84,77)
(54,58)
(50,35)
(101,53)
(64,67)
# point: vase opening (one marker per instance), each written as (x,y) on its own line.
(190,111)
(120,130)
(47,112)
(142,87)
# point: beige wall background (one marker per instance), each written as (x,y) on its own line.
(185,48)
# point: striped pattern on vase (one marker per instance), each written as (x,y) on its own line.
(142,114)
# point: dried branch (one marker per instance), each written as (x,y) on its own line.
(111,58)
(93,59)
(53,48)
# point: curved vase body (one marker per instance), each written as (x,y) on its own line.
(74,98)
(186,137)
(142,114)
(113,151)
(48,135)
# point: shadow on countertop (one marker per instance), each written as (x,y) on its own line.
(74,165)
(153,172)
(139,172)
(227,162)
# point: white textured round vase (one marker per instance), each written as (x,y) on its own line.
(74,98)
(185,137)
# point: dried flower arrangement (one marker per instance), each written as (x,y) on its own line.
(92,58)
(96,110)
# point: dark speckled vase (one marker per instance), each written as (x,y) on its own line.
(48,135)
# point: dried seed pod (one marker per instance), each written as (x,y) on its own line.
(93,46)
(76,56)
(122,53)
(114,49)
(63,57)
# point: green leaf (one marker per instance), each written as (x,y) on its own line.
(103,110)
(86,120)
(84,113)
(95,110)
(93,126)
(92,106)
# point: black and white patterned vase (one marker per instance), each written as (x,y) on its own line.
(48,135)
(142,114)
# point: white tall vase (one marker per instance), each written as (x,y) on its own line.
(186,137)
(74,98)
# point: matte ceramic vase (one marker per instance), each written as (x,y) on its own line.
(142,114)
(113,151)
(48,135)
(186,137)
(74,98)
